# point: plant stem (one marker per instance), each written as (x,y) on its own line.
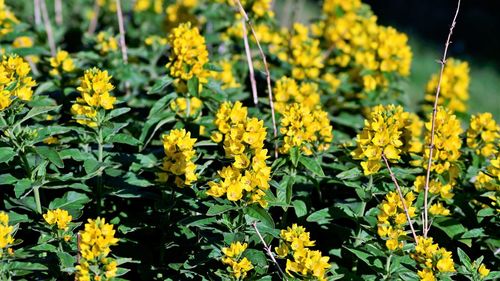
(426,225)
(401,197)
(267,248)
(100,157)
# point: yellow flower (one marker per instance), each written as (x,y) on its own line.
(305,128)
(58,217)
(179,154)
(7,19)
(304,262)
(483,271)
(438,209)
(5,232)
(392,218)
(232,257)
(226,76)
(62,62)
(432,258)
(306,59)
(387,132)
(454,91)
(14,80)
(243,139)
(483,134)
(180,12)
(95,241)
(188,54)
(95,93)
(180,105)
(155,41)
(106,43)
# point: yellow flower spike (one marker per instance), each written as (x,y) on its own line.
(483,271)
(243,138)
(232,257)
(454,91)
(14,71)
(188,53)
(6,238)
(226,76)
(106,43)
(483,134)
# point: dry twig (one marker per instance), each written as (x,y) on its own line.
(58,10)
(95,18)
(268,75)
(426,225)
(48,28)
(398,188)
(248,53)
(36,11)
(268,250)
(121,26)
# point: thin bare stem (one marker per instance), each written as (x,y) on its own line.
(268,75)
(48,28)
(248,53)
(121,26)
(398,188)
(58,10)
(36,11)
(95,18)
(268,250)
(426,225)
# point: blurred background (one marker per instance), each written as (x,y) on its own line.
(476,39)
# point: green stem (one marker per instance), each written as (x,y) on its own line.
(36,194)
(100,182)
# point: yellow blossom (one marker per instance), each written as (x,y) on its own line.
(232,257)
(483,134)
(483,271)
(14,80)
(6,238)
(106,43)
(61,63)
(58,217)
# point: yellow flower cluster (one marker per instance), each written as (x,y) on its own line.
(305,128)
(25,42)
(156,41)
(58,217)
(432,259)
(178,161)
(383,133)
(7,19)
(180,12)
(392,218)
(232,257)
(95,241)
(454,91)
(181,106)
(304,262)
(95,93)
(14,80)
(447,142)
(287,91)
(189,53)
(483,134)
(61,63)
(226,76)
(360,42)
(436,187)
(490,181)
(255,8)
(106,42)
(5,232)
(243,138)
(144,5)
(306,58)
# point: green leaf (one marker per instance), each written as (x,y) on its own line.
(258,260)
(6,154)
(192,86)
(21,187)
(65,260)
(450,226)
(320,217)
(300,208)
(116,112)
(350,174)
(50,154)
(294,155)
(258,213)
(72,202)
(219,209)
(125,139)
(161,104)
(464,258)
(312,164)
(213,67)
(161,84)
(35,112)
